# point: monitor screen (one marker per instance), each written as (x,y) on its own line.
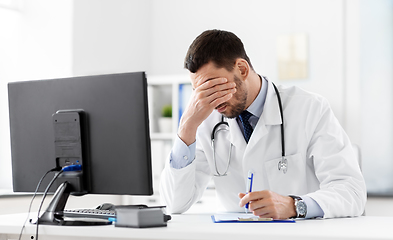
(115,110)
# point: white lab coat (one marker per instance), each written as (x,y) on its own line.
(321,161)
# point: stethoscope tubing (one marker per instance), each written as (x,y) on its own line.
(282,121)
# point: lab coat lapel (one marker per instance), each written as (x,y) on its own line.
(271,111)
(259,132)
(270,116)
(236,136)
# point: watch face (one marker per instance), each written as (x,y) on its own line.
(301,208)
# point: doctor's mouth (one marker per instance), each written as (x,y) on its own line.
(221,108)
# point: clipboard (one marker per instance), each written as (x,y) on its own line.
(246,218)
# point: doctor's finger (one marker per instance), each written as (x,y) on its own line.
(246,198)
(209,96)
(259,204)
(264,207)
(265,212)
(210,87)
(211,83)
(199,109)
(213,100)
(252,196)
(241,195)
(220,97)
(269,212)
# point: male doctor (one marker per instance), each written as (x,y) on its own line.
(321,176)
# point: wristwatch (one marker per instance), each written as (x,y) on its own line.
(300,207)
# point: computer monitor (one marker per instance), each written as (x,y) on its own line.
(110,134)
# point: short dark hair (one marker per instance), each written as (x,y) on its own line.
(220,47)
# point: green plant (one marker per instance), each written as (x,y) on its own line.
(167,111)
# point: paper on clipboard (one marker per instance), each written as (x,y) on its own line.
(239,217)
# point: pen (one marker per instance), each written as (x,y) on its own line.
(250,178)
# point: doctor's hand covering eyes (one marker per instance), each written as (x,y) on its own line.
(238,120)
(208,94)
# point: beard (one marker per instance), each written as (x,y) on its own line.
(240,97)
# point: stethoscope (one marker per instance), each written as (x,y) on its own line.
(282,165)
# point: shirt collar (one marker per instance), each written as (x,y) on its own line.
(256,107)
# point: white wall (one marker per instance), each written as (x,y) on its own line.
(35,43)
(176,23)
(376,75)
(8,34)
(110,36)
(154,36)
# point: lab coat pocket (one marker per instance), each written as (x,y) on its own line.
(291,182)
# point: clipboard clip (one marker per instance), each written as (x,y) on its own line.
(255,219)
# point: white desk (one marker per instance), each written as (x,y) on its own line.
(200,226)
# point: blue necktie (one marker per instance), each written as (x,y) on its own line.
(244,116)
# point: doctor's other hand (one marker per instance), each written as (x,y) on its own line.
(207,95)
(268,204)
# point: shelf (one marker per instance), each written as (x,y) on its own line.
(164,90)
(168,80)
(162,136)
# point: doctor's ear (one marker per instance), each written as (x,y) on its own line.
(242,66)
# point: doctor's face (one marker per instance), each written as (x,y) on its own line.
(234,106)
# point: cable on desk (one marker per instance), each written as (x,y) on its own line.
(42,201)
(32,199)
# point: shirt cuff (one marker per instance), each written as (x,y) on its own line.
(313,208)
(182,155)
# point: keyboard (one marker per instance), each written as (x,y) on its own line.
(89,213)
(95,213)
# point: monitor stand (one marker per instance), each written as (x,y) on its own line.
(53,215)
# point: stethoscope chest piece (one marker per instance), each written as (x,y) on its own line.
(283,165)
